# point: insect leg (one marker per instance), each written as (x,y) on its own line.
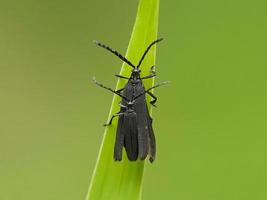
(149,76)
(107,88)
(120,76)
(153,73)
(154,99)
(110,121)
(152,69)
(119,91)
(155,86)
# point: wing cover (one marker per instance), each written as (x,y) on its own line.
(130,135)
(152,141)
(145,136)
(119,139)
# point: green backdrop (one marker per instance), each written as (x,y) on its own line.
(210,122)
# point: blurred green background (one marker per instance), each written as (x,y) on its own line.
(210,123)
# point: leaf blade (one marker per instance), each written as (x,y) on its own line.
(123,180)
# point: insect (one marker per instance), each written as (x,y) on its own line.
(127,130)
(134,87)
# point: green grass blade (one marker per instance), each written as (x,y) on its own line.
(123,180)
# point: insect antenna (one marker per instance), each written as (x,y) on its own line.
(155,86)
(146,51)
(116,53)
(107,88)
